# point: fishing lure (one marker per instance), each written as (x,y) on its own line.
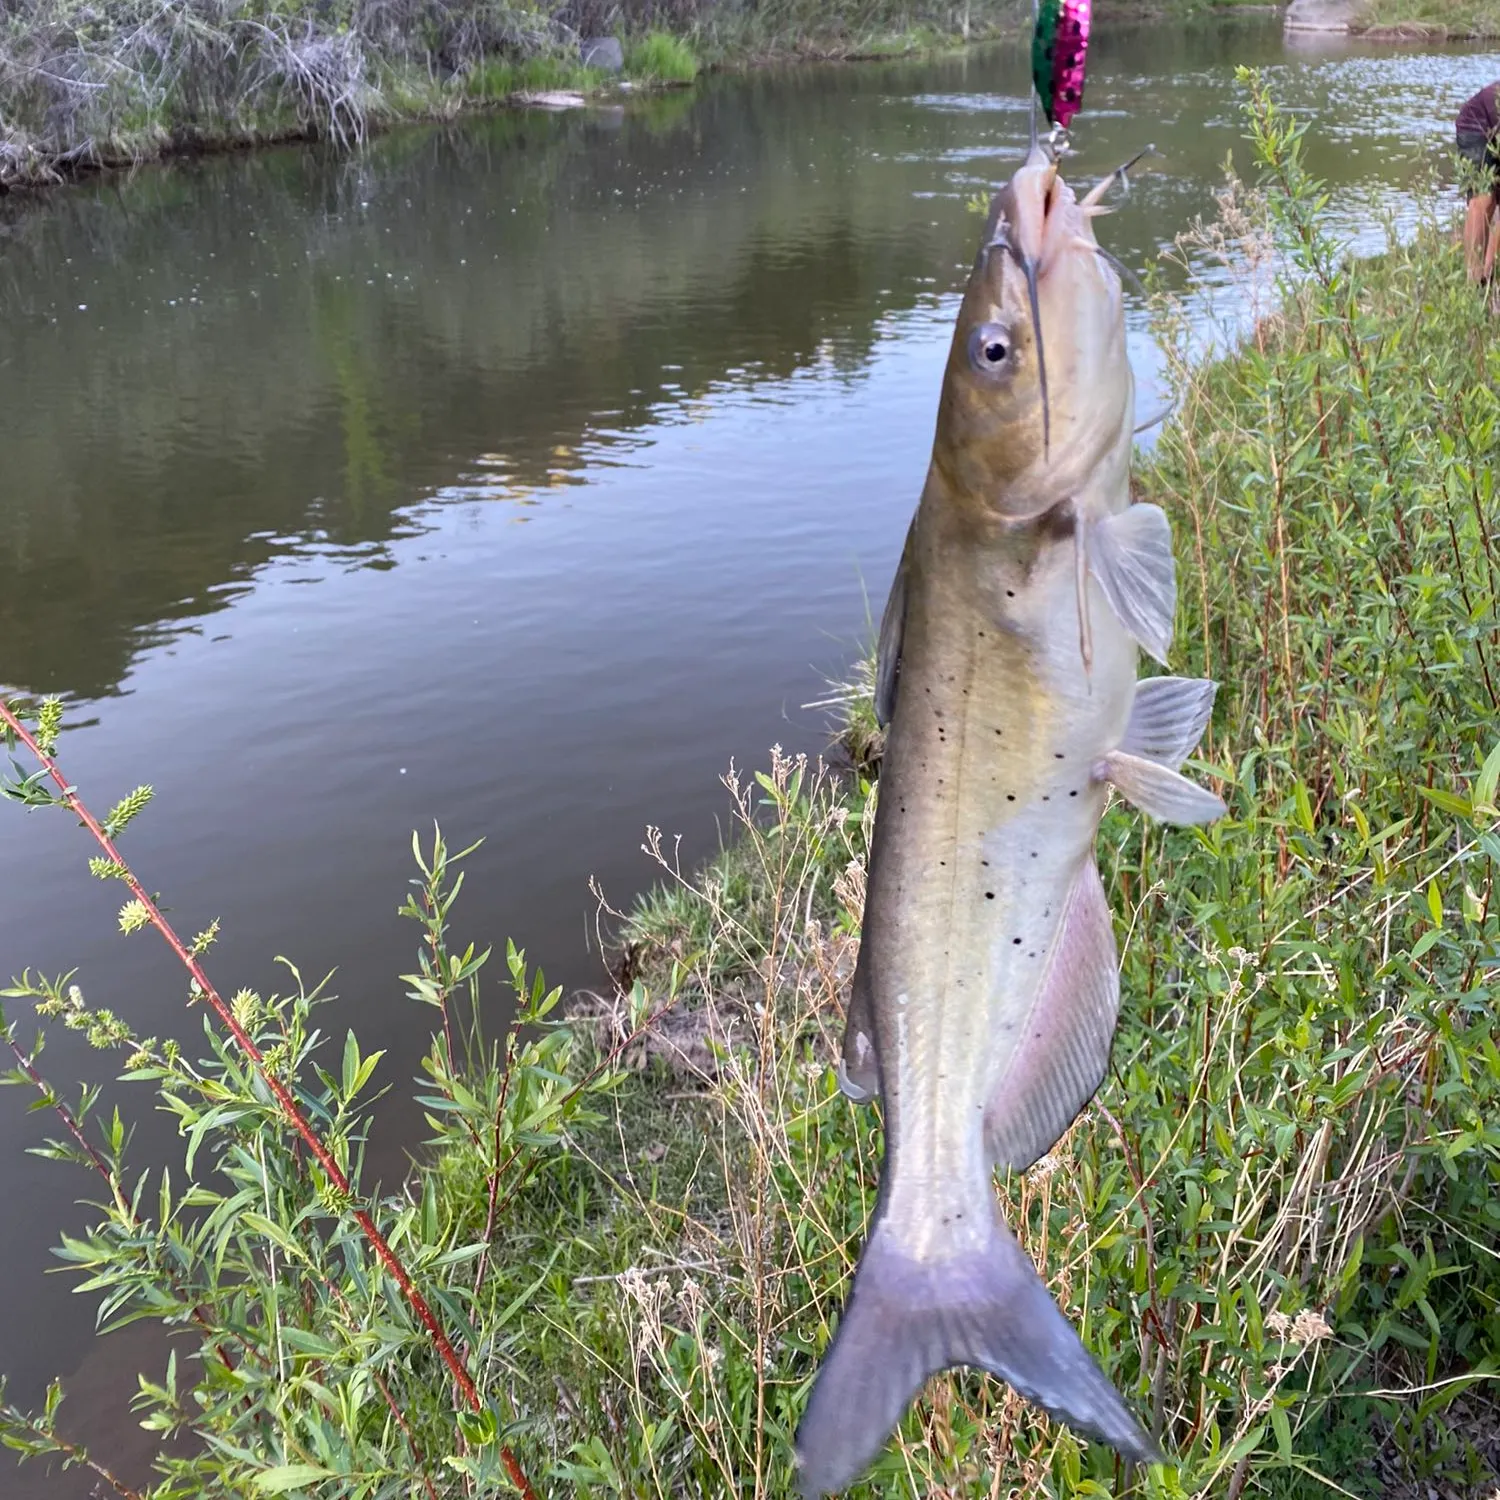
(1059,55)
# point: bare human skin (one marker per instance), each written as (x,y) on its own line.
(987,988)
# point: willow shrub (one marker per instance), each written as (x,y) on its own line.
(299,1366)
(1277,1224)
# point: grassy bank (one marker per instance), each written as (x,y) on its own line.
(84,86)
(1276,1225)
(1436,20)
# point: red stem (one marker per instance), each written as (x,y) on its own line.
(66,1115)
(279,1090)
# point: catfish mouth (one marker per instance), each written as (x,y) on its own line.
(1036,222)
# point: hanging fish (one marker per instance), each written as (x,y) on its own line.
(1059,57)
(983,1006)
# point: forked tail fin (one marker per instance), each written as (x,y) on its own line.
(906,1320)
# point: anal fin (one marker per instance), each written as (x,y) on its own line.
(1130,555)
(1058,1067)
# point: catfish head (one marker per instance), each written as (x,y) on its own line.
(1038,391)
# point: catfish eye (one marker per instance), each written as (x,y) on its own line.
(990,349)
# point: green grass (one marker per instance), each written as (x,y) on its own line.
(500,78)
(660,57)
(1457,20)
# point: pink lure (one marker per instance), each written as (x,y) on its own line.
(1059,57)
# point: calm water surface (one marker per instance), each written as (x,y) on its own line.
(516,476)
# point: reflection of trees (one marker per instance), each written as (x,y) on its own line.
(350,335)
(347,332)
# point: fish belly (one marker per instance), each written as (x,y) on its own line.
(988,814)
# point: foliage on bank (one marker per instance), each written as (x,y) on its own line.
(1430,20)
(1276,1223)
(84,85)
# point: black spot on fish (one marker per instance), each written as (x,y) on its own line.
(985,863)
(1071,794)
(1046,799)
(1057,755)
(1016,941)
(1010,593)
(989,895)
(1010,796)
(1033,853)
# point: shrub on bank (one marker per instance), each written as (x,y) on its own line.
(1276,1223)
(85,84)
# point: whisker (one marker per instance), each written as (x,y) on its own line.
(1121,270)
(1119,175)
(1028,269)
(1156,418)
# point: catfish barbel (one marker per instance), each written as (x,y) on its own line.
(987,987)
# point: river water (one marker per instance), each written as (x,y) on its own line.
(517,476)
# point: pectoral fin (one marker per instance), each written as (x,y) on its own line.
(1157,791)
(858,1067)
(892,625)
(1130,554)
(1057,1068)
(1168,718)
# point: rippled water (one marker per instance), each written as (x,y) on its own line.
(518,476)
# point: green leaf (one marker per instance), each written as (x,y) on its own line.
(1283,1430)
(351,1063)
(1460,807)
(1425,942)
(286,1477)
(1489,778)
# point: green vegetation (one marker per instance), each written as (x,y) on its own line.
(1455,20)
(84,87)
(1276,1225)
(660,57)
(500,79)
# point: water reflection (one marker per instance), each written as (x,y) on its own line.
(218,364)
